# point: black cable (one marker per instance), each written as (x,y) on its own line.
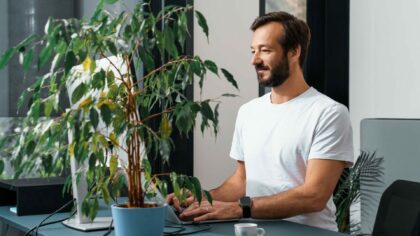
(49,216)
(109,229)
(179,232)
(175,232)
(52,222)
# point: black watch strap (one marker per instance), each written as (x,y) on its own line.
(245,203)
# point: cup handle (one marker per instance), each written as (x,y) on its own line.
(260,232)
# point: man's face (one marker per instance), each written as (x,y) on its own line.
(269,58)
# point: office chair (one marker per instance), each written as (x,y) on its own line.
(399,210)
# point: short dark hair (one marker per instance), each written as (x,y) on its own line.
(296,32)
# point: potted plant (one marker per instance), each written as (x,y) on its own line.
(113,108)
(367,169)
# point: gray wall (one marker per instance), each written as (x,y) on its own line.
(230,41)
(384,60)
(87,7)
(384,69)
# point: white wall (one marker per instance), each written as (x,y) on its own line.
(384,60)
(230,40)
(4,80)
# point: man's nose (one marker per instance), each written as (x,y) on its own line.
(256,60)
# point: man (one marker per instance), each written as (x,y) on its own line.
(291,145)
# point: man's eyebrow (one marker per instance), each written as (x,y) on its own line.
(259,46)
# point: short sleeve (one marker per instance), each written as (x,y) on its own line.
(236,150)
(333,137)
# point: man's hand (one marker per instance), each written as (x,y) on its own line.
(217,211)
(171,199)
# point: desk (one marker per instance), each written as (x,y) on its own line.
(277,227)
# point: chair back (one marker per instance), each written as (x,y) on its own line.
(399,210)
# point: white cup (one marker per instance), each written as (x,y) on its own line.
(248,229)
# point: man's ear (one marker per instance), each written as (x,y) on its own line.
(294,54)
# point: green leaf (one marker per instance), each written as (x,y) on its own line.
(1,166)
(202,23)
(98,80)
(170,42)
(182,29)
(113,164)
(28,40)
(229,95)
(147,168)
(105,194)
(216,119)
(5,58)
(208,196)
(78,93)
(30,147)
(35,110)
(196,66)
(61,47)
(112,48)
(163,187)
(92,66)
(44,56)
(113,138)
(211,66)
(117,184)
(69,62)
(165,126)
(21,99)
(27,59)
(165,149)
(230,78)
(48,106)
(93,209)
(110,1)
(110,77)
(78,45)
(206,111)
(94,117)
(175,185)
(197,189)
(106,114)
(128,32)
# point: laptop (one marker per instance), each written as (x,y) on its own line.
(173,218)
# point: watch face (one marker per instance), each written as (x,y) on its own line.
(245,201)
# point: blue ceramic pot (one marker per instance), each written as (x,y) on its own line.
(139,221)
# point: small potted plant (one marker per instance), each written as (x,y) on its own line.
(111,107)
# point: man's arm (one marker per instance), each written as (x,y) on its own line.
(320,180)
(312,196)
(233,188)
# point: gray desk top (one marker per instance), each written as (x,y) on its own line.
(277,227)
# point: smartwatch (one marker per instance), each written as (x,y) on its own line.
(245,203)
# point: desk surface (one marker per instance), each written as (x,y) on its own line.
(277,227)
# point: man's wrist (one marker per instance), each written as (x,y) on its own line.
(246,204)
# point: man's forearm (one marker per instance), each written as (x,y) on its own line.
(233,188)
(287,204)
(228,192)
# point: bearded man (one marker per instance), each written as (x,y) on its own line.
(291,145)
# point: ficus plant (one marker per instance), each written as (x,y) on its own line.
(113,109)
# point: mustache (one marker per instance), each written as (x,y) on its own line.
(261,67)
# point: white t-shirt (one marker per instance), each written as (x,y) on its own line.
(276,141)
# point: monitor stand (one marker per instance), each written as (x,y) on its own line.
(79,187)
(100,223)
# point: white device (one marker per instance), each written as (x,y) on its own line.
(79,221)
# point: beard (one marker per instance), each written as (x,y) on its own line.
(278,75)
